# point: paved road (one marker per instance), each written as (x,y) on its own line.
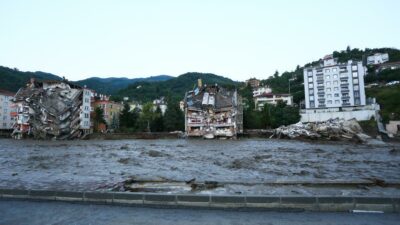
(27,212)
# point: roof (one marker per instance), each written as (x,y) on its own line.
(328,57)
(212,96)
(8,93)
(390,64)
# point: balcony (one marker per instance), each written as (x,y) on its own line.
(345,97)
(346,104)
(344,84)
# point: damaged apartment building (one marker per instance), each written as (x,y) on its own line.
(52,110)
(213,112)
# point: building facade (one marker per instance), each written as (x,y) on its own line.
(377,58)
(111,110)
(270,98)
(86,110)
(212,112)
(253,82)
(7,110)
(334,84)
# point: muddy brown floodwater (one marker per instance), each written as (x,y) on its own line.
(249,166)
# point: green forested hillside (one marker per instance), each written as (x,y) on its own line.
(112,85)
(175,88)
(13,79)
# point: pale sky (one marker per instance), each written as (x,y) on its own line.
(236,39)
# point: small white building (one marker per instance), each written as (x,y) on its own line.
(7,110)
(270,98)
(377,58)
(160,103)
(261,90)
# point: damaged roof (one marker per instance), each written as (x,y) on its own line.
(211,96)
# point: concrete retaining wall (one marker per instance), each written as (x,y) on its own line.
(347,115)
(314,203)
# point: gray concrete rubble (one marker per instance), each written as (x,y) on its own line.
(334,129)
(49,110)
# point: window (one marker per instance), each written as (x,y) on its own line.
(335,82)
(345,101)
(309,73)
(327,71)
(336,88)
(354,67)
(335,76)
(328,77)
(86,115)
(356,87)
(310,79)
(356,94)
(328,83)
(329,95)
(311,85)
(311,91)
(329,101)
(345,94)
(357,101)
(311,98)
(355,74)
(328,89)
(312,104)
(334,70)
(336,95)
(337,101)
(355,81)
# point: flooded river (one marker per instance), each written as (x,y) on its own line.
(100,164)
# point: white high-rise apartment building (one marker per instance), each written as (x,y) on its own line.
(334,85)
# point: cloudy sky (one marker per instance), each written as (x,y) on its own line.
(236,39)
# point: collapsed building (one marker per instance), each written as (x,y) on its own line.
(52,110)
(212,112)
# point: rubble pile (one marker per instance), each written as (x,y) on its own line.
(53,112)
(334,129)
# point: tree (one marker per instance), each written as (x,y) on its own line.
(146,117)
(98,118)
(158,121)
(174,118)
(128,118)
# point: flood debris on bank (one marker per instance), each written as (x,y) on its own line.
(165,186)
(333,129)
